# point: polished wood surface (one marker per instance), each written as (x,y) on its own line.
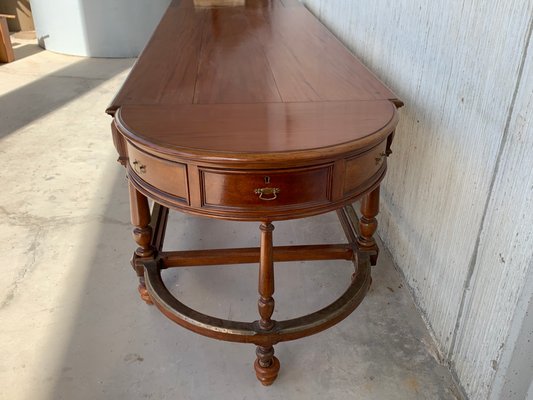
(252,113)
(142,234)
(167,176)
(266,365)
(266,51)
(257,128)
(290,188)
(6,48)
(197,258)
(266,78)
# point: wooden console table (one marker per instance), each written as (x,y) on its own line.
(252,113)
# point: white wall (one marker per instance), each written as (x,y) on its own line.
(457,207)
(96,28)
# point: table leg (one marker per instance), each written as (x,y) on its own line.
(6,48)
(368,224)
(142,233)
(266,365)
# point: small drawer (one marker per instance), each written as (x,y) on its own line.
(363,167)
(266,189)
(170,177)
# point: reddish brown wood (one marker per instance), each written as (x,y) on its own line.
(197,258)
(368,224)
(120,145)
(224,70)
(266,365)
(245,130)
(250,332)
(142,233)
(350,233)
(266,277)
(6,49)
(161,73)
(267,189)
(158,223)
(237,55)
(167,176)
(252,113)
(363,167)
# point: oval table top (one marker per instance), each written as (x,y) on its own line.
(258,81)
(252,130)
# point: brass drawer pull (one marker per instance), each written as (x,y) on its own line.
(272,192)
(139,168)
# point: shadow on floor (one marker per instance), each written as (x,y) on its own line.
(92,365)
(25,50)
(30,102)
(117,347)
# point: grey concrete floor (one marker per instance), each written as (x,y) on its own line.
(72,325)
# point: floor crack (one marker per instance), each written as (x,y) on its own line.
(32,252)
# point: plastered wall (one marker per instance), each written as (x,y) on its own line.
(457,204)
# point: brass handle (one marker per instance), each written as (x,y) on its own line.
(139,168)
(272,192)
(380,158)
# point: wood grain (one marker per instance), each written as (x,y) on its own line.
(252,113)
(6,49)
(167,68)
(167,176)
(272,51)
(257,128)
(233,66)
(200,258)
(297,188)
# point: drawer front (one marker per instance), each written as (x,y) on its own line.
(361,168)
(170,177)
(266,189)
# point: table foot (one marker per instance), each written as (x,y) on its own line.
(145,296)
(138,267)
(266,365)
(149,233)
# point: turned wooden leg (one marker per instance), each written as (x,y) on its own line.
(368,224)
(266,278)
(6,48)
(266,365)
(142,233)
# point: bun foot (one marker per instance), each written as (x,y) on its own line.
(145,296)
(267,375)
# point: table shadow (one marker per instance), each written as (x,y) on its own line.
(30,102)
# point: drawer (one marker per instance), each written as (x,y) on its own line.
(266,189)
(170,177)
(363,167)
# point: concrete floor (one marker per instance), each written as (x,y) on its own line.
(72,325)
